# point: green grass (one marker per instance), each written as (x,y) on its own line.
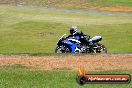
(110,2)
(79,3)
(36,31)
(18,76)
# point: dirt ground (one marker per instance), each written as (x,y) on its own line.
(98,7)
(117,8)
(71,4)
(71,62)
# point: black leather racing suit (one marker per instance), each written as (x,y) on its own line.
(82,37)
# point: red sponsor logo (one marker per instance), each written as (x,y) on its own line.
(84,78)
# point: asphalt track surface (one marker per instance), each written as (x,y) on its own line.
(80,11)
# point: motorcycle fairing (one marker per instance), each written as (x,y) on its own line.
(71,45)
(95,39)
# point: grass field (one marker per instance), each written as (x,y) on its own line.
(76,3)
(108,5)
(36,31)
(18,76)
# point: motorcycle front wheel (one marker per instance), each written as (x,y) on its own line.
(62,49)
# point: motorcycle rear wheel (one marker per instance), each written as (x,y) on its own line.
(103,49)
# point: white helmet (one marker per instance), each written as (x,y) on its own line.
(73,29)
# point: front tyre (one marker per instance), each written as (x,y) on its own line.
(62,49)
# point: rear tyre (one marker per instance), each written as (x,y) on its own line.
(102,49)
(62,49)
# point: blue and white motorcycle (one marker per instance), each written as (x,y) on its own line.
(73,45)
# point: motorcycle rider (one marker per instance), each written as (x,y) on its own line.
(82,37)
